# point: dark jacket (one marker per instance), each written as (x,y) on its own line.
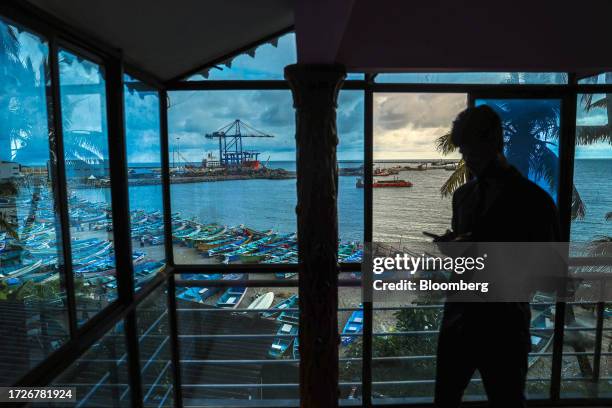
(500,206)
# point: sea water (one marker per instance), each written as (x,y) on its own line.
(399,214)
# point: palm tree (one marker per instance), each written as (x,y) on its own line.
(530,134)
(16,125)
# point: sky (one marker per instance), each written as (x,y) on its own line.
(405,125)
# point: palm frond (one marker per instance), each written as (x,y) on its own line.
(444,144)
(578,207)
(586,100)
(600,103)
(600,246)
(544,164)
(458,178)
(586,135)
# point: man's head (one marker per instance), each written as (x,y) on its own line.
(477,132)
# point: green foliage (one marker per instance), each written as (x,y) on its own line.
(414,343)
(42,291)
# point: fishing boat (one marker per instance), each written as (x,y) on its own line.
(279,307)
(286,334)
(296,348)
(231,298)
(19,270)
(289,316)
(354,257)
(542,323)
(382,172)
(227,248)
(147,271)
(205,246)
(353,326)
(254,257)
(210,233)
(198,295)
(285,275)
(244,249)
(395,183)
(285,256)
(280,246)
(262,302)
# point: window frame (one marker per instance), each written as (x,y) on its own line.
(60,35)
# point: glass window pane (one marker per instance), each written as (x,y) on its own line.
(350,153)
(409,135)
(233,176)
(404,349)
(404,345)
(266,62)
(142,134)
(475,78)
(101,374)
(605,78)
(592,204)
(355,76)
(238,343)
(155,352)
(407,131)
(83,98)
(531,137)
(33,320)
(350,325)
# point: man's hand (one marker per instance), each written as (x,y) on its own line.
(448,236)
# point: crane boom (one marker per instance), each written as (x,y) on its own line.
(231,152)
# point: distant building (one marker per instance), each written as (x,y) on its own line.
(9,170)
(210,161)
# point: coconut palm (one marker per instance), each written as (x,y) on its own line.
(530,135)
(601,245)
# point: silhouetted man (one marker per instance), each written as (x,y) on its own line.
(497,205)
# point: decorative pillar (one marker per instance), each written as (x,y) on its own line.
(315,93)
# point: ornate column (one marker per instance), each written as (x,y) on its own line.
(315,92)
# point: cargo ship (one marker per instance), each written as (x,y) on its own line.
(386,183)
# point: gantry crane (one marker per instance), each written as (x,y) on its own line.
(231,152)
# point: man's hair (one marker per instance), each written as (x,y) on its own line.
(478,125)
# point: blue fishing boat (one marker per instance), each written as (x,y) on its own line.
(289,316)
(354,258)
(296,348)
(231,298)
(285,275)
(279,307)
(353,326)
(244,249)
(286,334)
(19,270)
(146,271)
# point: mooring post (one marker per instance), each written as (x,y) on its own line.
(315,93)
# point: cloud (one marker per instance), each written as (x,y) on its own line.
(421,110)
(406,125)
